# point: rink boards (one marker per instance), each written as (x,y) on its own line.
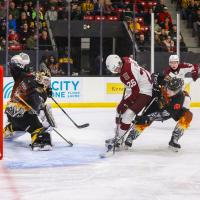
(92,91)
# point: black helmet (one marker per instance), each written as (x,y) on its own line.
(175,83)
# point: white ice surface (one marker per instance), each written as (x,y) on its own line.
(150,171)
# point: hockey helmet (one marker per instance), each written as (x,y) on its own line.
(17,61)
(25,57)
(113,62)
(173,58)
(175,84)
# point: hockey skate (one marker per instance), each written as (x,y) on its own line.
(129,140)
(42,142)
(174,145)
(176,135)
(117,142)
(8,132)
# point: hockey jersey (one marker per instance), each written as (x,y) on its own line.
(182,70)
(136,79)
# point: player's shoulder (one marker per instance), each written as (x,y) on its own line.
(167,70)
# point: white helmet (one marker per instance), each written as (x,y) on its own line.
(174,58)
(25,57)
(112,62)
(17,59)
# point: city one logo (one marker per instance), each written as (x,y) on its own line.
(60,89)
(65,89)
(7,90)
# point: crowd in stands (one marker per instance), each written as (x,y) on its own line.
(190,11)
(23,27)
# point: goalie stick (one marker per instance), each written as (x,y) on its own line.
(110,151)
(78,126)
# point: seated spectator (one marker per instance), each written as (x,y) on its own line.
(24,33)
(134,25)
(12,22)
(168,44)
(97,7)
(53,66)
(51,14)
(163,34)
(87,7)
(31,41)
(157,27)
(13,37)
(143,45)
(44,41)
(2,11)
(76,12)
(27,10)
(163,15)
(167,25)
(13,10)
(107,7)
(3,29)
(22,20)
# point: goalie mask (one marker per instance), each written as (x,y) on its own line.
(17,61)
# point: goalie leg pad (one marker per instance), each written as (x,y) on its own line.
(49,115)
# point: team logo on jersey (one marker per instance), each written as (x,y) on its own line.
(126,76)
(7,90)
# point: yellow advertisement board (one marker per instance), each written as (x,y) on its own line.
(114,88)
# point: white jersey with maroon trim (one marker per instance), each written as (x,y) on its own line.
(136,79)
(181,71)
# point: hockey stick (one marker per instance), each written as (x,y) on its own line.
(22,100)
(117,129)
(70,143)
(78,126)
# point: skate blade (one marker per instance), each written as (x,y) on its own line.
(174,149)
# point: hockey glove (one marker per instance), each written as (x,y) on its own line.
(195,72)
(122,107)
(49,92)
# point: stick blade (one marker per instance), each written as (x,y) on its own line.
(84,125)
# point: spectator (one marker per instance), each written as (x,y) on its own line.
(2,11)
(157,27)
(27,10)
(164,14)
(134,25)
(3,29)
(167,25)
(12,22)
(13,10)
(169,44)
(24,33)
(22,20)
(87,7)
(31,41)
(142,43)
(51,14)
(44,41)
(53,66)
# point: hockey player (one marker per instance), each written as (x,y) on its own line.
(27,100)
(181,69)
(138,92)
(169,103)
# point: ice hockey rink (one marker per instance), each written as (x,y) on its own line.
(150,171)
